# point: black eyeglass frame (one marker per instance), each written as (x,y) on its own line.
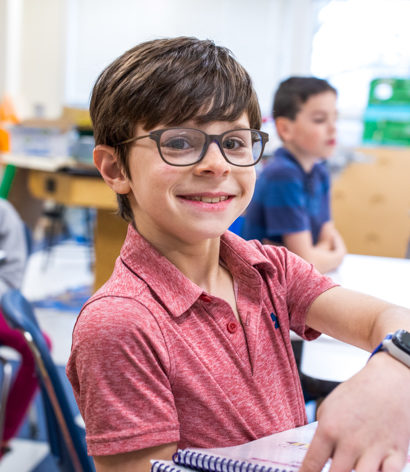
(209,138)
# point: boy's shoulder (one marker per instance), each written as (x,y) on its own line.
(282,166)
(263,257)
(122,293)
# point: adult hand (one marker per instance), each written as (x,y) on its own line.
(364,424)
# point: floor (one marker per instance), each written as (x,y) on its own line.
(56,283)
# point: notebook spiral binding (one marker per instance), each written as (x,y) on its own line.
(158,466)
(208,463)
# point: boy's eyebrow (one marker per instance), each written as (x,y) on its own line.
(195,124)
(322,112)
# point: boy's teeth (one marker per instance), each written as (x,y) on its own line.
(209,199)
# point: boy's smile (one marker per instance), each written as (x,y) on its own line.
(187,204)
(208,201)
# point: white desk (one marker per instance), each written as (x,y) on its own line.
(382,277)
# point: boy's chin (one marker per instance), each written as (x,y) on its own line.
(329,154)
(206,233)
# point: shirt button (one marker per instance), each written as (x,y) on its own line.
(205,298)
(232,327)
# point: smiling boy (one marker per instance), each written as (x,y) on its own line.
(187,344)
(291,204)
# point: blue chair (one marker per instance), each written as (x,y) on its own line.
(6,377)
(67,442)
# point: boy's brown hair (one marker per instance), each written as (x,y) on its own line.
(168,81)
(293,92)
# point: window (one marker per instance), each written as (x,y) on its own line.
(356,41)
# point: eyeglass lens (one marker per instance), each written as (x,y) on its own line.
(185,146)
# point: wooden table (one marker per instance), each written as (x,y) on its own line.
(47,181)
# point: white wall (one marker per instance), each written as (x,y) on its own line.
(3,40)
(263,35)
(66,43)
(42,66)
(10,46)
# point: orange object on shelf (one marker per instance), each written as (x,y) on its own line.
(7,116)
(4,140)
(7,111)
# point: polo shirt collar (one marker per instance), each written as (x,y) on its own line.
(170,285)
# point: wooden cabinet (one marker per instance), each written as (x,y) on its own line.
(371,203)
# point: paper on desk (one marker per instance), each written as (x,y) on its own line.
(284,450)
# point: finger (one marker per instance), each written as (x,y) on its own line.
(370,461)
(320,450)
(394,462)
(344,459)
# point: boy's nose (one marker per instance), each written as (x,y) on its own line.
(213,161)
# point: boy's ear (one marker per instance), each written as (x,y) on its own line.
(106,161)
(284,127)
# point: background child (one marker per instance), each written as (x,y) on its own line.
(14,244)
(187,344)
(291,204)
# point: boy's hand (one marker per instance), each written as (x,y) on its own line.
(364,424)
(338,248)
(338,244)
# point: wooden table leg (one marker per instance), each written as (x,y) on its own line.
(110,231)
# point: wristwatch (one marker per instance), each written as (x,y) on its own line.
(397,345)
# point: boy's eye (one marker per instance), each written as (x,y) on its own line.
(178,143)
(232,143)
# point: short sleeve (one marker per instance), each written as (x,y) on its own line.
(304,285)
(300,284)
(119,370)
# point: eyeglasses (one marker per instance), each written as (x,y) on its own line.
(187,146)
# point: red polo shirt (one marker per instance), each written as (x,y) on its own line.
(156,360)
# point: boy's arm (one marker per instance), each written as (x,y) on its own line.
(134,461)
(364,424)
(326,255)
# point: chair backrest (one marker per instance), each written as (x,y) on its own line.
(6,376)
(66,441)
(29,239)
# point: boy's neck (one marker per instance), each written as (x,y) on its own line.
(198,262)
(305,160)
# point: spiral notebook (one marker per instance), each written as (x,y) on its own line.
(281,452)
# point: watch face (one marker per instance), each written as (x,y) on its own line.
(402,340)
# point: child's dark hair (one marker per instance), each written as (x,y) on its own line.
(294,92)
(168,82)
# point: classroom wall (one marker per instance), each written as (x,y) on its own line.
(10,13)
(42,61)
(66,43)
(261,34)
(3,34)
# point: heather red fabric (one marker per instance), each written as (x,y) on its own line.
(156,360)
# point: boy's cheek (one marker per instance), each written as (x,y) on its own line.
(252,181)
